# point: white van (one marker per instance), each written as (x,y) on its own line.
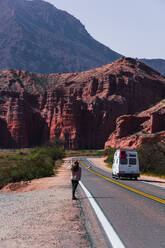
(125,164)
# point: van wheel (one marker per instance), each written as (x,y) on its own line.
(135,178)
(113,176)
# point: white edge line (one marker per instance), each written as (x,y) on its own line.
(110,232)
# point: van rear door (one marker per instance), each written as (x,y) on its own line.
(123,166)
(132,163)
(123,163)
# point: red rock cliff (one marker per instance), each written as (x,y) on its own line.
(134,130)
(80,108)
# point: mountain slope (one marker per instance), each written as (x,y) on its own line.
(157,64)
(36,36)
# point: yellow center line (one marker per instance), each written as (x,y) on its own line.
(127,187)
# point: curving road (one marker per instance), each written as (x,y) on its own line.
(135,209)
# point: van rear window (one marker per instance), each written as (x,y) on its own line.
(123,161)
(132,160)
(132,155)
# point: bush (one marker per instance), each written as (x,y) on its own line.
(151,157)
(110,154)
(40,163)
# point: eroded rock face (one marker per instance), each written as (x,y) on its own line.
(134,130)
(80,108)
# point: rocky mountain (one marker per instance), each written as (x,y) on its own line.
(134,130)
(157,64)
(80,108)
(37,37)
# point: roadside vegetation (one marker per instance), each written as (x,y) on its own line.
(152,159)
(27,164)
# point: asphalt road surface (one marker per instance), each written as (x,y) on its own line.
(135,209)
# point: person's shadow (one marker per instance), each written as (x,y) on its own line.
(96,197)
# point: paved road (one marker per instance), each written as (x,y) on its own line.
(139,221)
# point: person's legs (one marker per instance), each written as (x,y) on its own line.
(74,187)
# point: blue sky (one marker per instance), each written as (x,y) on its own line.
(134,28)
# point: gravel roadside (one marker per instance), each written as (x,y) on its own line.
(41,214)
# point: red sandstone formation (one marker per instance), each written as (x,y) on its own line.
(80,108)
(135,130)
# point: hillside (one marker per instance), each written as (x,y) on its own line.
(157,64)
(37,37)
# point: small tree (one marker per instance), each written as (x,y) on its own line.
(151,157)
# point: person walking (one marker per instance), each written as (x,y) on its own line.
(75,177)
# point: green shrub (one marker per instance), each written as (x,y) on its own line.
(99,153)
(109,153)
(41,162)
(151,157)
(4,178)
(56,152)
(15,157)
(41,166)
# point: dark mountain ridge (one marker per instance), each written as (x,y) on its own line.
(157,64)
(36,36)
